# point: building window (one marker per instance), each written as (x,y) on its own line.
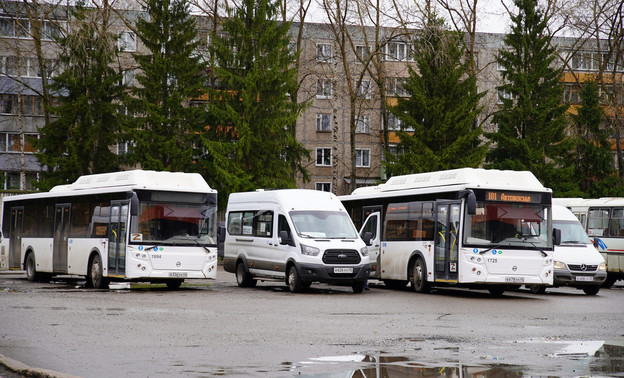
(324,89)
(364,90)
(128,78)
(363,125)
(362,158)
(323,186)
(396,51)
(323,122)
(394,123)
(8,104)
(395,86)
(7,27)
(324,52)
(362,53)
(503,95)
(127,41)
(571,94)
(323,157)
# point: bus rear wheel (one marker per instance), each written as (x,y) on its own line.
(31,268)
(419,277)
(96,277)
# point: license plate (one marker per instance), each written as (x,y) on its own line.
(583,278)
(343,270)
(178,274)
(514,279)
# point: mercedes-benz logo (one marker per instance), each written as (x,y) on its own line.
(583,267)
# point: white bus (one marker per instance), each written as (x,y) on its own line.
(467,227)
(603,219)
(136,225)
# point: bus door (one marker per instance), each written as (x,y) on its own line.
(15,237)
(62,213)
(446,245)
(372,224)
(117,238)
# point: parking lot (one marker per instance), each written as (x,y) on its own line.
(210,328)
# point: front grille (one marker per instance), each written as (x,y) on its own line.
(579,268)
(341,256)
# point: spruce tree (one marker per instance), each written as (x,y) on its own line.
(164,127)
(250,140)
(531,121)
(80,140)
(592,154)
(439,128)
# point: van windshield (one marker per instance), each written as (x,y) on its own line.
(572,232)
(323,224)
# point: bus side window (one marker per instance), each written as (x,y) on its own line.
(616,227)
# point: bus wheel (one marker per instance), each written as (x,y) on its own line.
(419,277)
(174,284)
(95,274)
(537,289)
(243,278)
(591,290)
(295,285)
(31,269)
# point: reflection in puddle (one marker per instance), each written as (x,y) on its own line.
(597,358)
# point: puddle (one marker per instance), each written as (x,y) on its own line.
(579,358)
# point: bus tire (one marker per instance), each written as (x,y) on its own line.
(31,268)
(243,278)
(295,285)
(174,284)
(419,277)
(537,289)
(98,281)
(591,290)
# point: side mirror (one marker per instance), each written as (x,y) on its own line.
(596,242)
(284,238)
(556,236)
(134,205)
(368,238)
(221,233)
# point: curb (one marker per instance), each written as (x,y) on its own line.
(27,371)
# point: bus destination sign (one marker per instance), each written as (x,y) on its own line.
(503,196)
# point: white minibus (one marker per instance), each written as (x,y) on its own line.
(577,263)
(293,235)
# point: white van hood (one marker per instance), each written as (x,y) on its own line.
(577,254)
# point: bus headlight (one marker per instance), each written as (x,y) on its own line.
(560,265)
(310,251)
(364,251)
(602,266)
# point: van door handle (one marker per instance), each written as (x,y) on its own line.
(244,240)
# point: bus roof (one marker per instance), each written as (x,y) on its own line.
(459,179)
(593,202)
(139,179)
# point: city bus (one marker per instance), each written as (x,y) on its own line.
(603,220)
(137,225)
(473,228)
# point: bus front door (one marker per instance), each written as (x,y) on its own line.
(15,237)
(117,238)
(446,244)
(61,234)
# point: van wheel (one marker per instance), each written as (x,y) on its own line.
(31,268)
(419,277)
(295,285)
(358,286)
(537,289)
(591,290)
(95,274)
(243,278)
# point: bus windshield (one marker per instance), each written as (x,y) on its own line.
(508,224)
(323,224)
(177,223)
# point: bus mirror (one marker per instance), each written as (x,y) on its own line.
(284,238)
(368,238)
(596,241)
(471,203)
(556,236)
(134,205)
(221,233)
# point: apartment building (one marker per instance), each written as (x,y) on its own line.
(324,127)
